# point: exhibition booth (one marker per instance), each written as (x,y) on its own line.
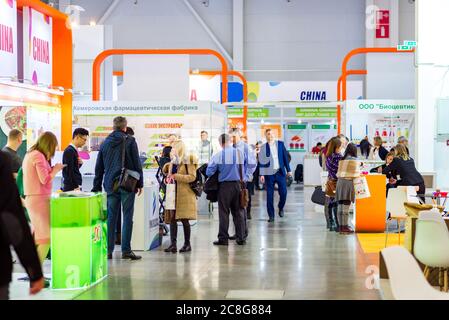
(300,125)
(36,96)
(153,124)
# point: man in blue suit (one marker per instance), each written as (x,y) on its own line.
(274,168)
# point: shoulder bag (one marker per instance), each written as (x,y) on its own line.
(244,194)
(128,179)
(197,185)
(331,188)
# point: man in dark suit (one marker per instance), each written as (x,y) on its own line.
(274,168)
(71,175)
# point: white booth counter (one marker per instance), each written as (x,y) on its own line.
(146,234)
(312,170)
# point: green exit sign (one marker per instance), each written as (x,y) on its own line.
(407,45)
(404,48)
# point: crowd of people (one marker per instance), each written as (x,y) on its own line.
(238,170)
(342,162)
(233,173)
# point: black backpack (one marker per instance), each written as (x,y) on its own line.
(197,185)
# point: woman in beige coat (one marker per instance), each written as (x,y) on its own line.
(182,170)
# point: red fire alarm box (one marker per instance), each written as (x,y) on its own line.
(383,24)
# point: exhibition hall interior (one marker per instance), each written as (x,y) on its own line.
(230,150)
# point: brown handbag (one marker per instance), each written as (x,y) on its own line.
(331,188)
(244,194)
(168,216)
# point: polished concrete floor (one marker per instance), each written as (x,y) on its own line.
(294,258)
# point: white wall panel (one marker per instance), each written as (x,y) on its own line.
(155,78)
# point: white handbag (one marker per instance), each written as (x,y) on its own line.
(323,179)
(361,188)
(170,196)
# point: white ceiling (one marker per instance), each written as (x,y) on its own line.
(94,9)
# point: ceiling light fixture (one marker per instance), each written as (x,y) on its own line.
(93,23)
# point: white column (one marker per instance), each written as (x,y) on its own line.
(108,68)
(432,83)
(238,32)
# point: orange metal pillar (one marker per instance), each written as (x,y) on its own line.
(62,62)
(349,72)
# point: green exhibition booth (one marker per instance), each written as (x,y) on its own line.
(78,240)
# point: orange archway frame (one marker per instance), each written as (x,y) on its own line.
(349,72)
(245,89)
(344,70)
(62,62)
(112,52)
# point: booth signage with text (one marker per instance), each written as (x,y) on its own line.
(8,38)
(207,88)
(389,119)
(37,47)
(300,91)
(153,123)
(316,112)
(253,113)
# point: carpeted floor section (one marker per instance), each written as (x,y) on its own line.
(375,242)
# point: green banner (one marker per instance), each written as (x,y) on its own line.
(252,113)
(316,112)
(297,127)
(323,126)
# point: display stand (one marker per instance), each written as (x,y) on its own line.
(312,170)
(146,234)
(79,243)
(370,213)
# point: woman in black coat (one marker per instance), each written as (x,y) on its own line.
(405,168)
(14,231)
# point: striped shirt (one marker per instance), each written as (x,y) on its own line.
(332,165)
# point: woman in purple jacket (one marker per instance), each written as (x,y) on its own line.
(333,157)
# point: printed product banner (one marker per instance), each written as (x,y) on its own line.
(8,38)
(37,47)
(296,138)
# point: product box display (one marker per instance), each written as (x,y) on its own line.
(78,239)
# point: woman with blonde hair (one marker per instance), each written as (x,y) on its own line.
(378,152)
(182,170)
(38,175)
(405,168)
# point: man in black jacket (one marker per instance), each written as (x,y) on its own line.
(71,175)
(14,231)
(107,170)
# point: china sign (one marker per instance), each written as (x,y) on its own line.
(8,38)
(37,47)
